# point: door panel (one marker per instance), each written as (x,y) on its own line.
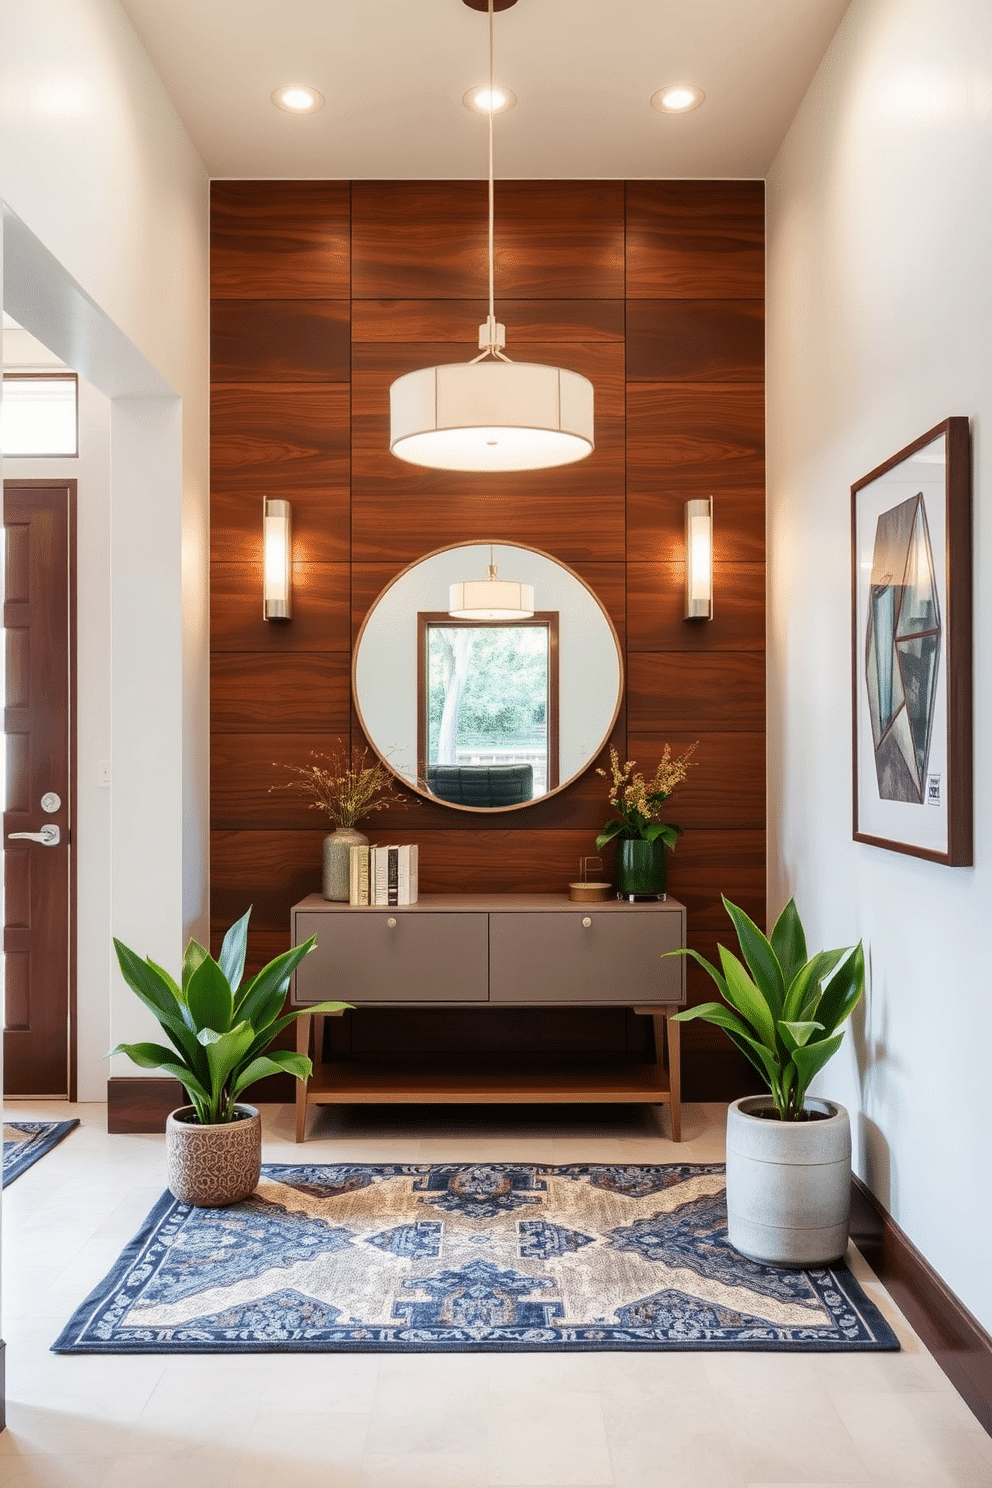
(38,611)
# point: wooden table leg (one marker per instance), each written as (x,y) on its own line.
(674,1046)
(303,1026)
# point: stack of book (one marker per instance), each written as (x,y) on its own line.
(383,875)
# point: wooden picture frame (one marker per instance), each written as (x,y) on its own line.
(911,649)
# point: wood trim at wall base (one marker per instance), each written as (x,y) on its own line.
(136,1106)
(956,1339)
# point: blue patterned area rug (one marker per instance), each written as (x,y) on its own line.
(413,1258)
(25,1141)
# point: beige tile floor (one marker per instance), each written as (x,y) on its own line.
(453,1421)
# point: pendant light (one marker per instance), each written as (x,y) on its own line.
(491,414)
(491,598)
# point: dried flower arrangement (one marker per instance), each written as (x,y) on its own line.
(638,801)
(344,786)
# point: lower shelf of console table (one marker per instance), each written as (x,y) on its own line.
(354,1082)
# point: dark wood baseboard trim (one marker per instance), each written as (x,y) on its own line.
(135,1106)
(957,1340)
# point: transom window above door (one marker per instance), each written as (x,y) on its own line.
(39,415)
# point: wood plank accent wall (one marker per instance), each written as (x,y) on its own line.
(322,294)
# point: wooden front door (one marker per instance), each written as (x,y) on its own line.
(39,569)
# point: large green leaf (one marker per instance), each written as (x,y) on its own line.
(169,981)
(795,1035)
(747,999)
(760,958)
(209,997)
(156,989)
(280,1061)
(147,982)
(225,1051)
(234,950)
(810,1060)
(714,1012)
(843,991)
(156,1056)
(274,976)
(711,971)
(266,1036)
(262,1006)
(789,942)
(611,830)
(804,991)
(192,956)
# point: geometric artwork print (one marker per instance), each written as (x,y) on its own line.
(473,1257)
(902,650)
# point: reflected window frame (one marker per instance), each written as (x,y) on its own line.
(546,620)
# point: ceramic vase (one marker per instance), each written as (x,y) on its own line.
(640,869)
(788,1182)
(336,862)
(209,1166)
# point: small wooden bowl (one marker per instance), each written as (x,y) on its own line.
(589,893)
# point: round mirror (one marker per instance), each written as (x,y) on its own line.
(479,706)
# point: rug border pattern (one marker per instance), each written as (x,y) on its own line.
(44,1136)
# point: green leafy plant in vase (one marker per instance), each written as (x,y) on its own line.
(641,836)
(784,1010)
(219,1030)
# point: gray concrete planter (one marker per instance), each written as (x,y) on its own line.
(213,1165)
(788,1183)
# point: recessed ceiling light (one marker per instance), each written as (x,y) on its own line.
(677,98)
(477,99)
(297,99)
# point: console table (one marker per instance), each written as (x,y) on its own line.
(471,950)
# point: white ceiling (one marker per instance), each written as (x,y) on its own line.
(393,73)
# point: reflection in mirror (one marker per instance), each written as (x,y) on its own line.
(481,714)
(488,693)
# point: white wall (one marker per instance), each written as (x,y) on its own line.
(106,210)
(879,327)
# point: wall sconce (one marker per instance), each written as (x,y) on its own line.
(699,559)
(276,559)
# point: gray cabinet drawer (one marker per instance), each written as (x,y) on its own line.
(556,958)
(360,957)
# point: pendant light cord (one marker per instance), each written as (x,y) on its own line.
(492,190)
(493,349)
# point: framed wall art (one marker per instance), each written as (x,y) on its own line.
(911,601)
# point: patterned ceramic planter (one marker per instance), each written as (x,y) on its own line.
(337,848)
(213,1165)
(788,1182)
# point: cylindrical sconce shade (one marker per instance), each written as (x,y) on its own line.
(491,416)
(699,560)
(277,560)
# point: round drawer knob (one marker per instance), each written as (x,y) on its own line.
(586,922)
(391,923)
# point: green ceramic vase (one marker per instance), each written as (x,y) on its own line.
(640,869)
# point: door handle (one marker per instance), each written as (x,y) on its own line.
(49,836)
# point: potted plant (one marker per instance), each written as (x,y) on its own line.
(643,838)
(220,1033)
(788,1154)
(347,789)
